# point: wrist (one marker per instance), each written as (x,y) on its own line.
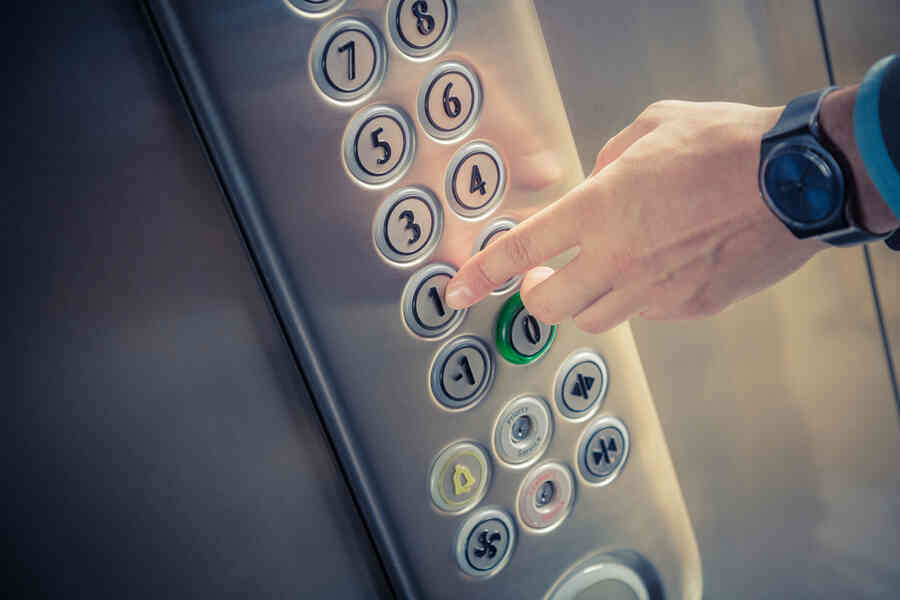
(836,121)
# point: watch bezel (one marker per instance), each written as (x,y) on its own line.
(805,143)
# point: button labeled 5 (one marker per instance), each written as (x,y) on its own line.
(379,144)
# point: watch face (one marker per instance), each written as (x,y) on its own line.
(802,186)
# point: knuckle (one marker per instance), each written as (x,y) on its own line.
(518,251)
(487,279)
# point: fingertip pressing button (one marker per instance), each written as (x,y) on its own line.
(348,59)
(424,309)
(489,235)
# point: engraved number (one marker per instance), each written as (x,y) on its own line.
(476,183)
(532,329)
(436,298)
(415,230)
(424,21)
(385,147)
(466,371)
(350,49)
(452,105)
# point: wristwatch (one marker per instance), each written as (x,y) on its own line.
(806,181)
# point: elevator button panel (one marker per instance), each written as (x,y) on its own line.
(449,102)
(421,28)
(475,180)
(378,158)
(462,372)
(348,59)
(520,337)
(546,496)
(581,384)
(485,543)
(459,477)
(523,431)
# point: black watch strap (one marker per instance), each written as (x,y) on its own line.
(800,114)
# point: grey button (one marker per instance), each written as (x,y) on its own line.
(484,543)
(462,372)
(581,384)
(315,8)
(421,28)
(522,431)
(459,477)
(601,577)
(475,180)
(408,225)
(528,335)
(379,143)
(610,589)
(449,102)
(347,58)
(488,236)
(546,496)
(424,309)
(604,448)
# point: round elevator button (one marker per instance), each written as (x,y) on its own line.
(603,450)
(449,101)
(488,236)
(520,337)
(546,496)
(424,310)
(462,372)
(379,144)
(459,477)
(485,542)
(421,28)
(408,225)
(348,59)
(475,180)
(314,8)
(581,383)
(522,431)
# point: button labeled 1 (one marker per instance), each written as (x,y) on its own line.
(424,310)
(379,144)
(449,101)
(408,225)
(475,180)
(347,59)
(462,372)
(421,28)
(520,337)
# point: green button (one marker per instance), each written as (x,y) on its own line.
(520,337)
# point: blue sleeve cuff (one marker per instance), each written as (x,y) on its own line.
(867,128)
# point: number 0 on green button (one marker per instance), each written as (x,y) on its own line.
(520,337)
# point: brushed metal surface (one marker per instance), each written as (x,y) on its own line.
(859,34)
(277,143)
(779,412)
(159,441)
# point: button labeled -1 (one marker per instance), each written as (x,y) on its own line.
(462,372)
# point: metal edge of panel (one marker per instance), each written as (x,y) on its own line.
(270,265)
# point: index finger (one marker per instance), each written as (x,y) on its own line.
(546,234)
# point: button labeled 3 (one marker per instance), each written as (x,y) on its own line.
(408,225)
(475,180)
(484,543)
(449,101)
(603,450)
(348,59)
(520,337)
(421,28)
(459,477)
(462,372)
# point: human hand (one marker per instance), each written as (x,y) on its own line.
(670,225)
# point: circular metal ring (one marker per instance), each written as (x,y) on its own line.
(457,133)
(385,211)
(412,287)
(575,359)
(583,447)
(470,149)
(436,383)
(407,47)
(319,49)
(351,136)
(466,531)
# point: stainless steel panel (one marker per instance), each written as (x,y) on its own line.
(778,412)
(277,142)
(859,34)
(159,440)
